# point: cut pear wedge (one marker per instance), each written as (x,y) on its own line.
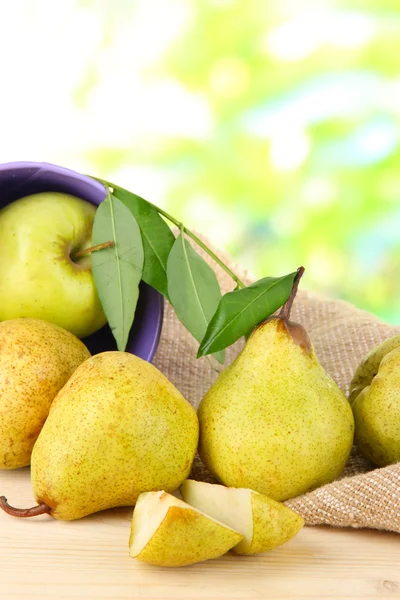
(167,532)
(264,523)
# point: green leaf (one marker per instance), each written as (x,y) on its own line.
(241,310)
(117,271)
(157,238)
(193,289)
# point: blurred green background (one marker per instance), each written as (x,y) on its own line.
(272,127)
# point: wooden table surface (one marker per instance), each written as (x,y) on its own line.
(43,558)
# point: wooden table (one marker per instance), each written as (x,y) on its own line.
(88,559)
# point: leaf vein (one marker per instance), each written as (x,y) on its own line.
(119,275)
(240,313)
(193,281)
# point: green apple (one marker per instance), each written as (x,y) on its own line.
(39,278)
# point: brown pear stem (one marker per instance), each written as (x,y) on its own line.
(40,509)
(287,307)
(86,251)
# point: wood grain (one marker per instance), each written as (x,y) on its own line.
(43,559)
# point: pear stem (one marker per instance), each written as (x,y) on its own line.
(40,509)
(86,251)
(287,307)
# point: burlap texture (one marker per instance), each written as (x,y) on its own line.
(364,496)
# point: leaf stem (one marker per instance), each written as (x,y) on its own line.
(202,245)
(189,233)
(86,251)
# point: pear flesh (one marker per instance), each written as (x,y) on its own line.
(167,532)
(116,429)
(36,360)
(377,413)
(274,421)
(369,366)
(264,523)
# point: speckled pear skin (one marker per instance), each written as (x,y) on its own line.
(116,429)
(377,413)
(185,537)
(36,360)
(264,523)
(369,366)
(274,524)
(274,421)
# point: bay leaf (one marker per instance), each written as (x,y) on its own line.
(117,271)
(193,289)
(157,237)
(241,310)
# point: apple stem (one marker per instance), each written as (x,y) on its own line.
(287,307)
(40,509)
(86,251)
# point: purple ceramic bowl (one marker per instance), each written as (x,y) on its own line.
(20,179)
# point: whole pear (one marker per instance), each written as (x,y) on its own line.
(36,360)
(369,366)
(377,413)
(116,429)
(274,421)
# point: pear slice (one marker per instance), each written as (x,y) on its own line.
(167,532)
(264,523)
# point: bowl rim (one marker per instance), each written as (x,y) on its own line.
(154,299)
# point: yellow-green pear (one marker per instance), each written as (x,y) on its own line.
(116,429)
(36,360)
(377,413)
(274,421)
(264,523)
(167,532)
(369,366)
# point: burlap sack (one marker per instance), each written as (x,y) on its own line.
(364,496)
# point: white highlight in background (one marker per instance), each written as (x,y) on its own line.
(289,148)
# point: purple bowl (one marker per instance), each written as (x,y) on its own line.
(18,179)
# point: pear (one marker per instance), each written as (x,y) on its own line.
(377,413)
(36,360)
(167,532)
(274,421)
(369,366)
(116,429)
(264,523)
